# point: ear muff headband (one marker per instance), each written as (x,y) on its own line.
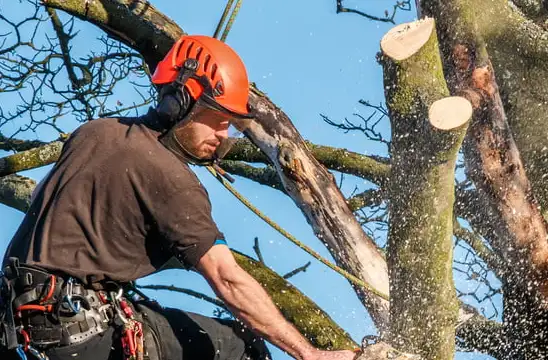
(174,100)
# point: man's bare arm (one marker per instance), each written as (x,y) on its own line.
(250,303)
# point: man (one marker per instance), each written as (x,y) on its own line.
(120,202)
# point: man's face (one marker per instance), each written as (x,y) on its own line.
(203,134)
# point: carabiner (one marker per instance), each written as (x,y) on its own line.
(21,352)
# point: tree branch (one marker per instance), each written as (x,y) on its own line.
(15,191)
(400,5)
(8,144)
(190,292)
(482,335)
(30,159)
(64,39)
(428,128)
(475,241)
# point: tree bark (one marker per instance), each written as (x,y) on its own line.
(297,308)
(312,187)
(30,159)
(517,229)
(424,307)
(15,191)
(517,49)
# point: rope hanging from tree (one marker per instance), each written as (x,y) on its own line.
(353,279)
(216,171)
(230,21)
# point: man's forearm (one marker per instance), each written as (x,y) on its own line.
(250,303)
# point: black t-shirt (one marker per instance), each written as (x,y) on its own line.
(117,205)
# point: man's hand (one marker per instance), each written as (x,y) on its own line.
(333,355)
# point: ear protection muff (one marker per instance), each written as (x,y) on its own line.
(174,100)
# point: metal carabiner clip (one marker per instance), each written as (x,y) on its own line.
(74,306)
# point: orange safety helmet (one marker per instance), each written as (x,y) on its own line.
(217,61)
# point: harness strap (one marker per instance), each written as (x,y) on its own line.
(9,339)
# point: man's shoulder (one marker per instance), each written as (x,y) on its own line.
(105,126)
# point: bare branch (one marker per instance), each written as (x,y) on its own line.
(369,123)
(190,292)
(10,144)
(296,271)
(475,241)
(400,5)
(257,250)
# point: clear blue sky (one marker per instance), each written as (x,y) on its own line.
(310,61)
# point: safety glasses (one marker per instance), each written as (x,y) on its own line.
(206,110)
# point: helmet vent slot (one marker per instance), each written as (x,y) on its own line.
(219,88)
(206,62)
(189,49)
(213,71)
(199,53)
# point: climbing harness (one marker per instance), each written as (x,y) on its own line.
(41,310)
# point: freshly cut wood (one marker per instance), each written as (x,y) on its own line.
(406,39)
(450,113)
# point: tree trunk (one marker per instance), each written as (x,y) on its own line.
(517,231)
(424,307)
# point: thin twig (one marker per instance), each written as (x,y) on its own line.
(190,292)
(297,270)
(257,250)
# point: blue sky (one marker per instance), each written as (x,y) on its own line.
(310,61)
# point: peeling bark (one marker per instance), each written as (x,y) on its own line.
(518,49)
(312,187)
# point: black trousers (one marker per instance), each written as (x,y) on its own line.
(178,335)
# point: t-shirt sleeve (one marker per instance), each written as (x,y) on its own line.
(181,212)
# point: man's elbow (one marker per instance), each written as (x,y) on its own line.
(220,269)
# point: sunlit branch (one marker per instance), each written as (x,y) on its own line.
(264,176)
(371,197)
